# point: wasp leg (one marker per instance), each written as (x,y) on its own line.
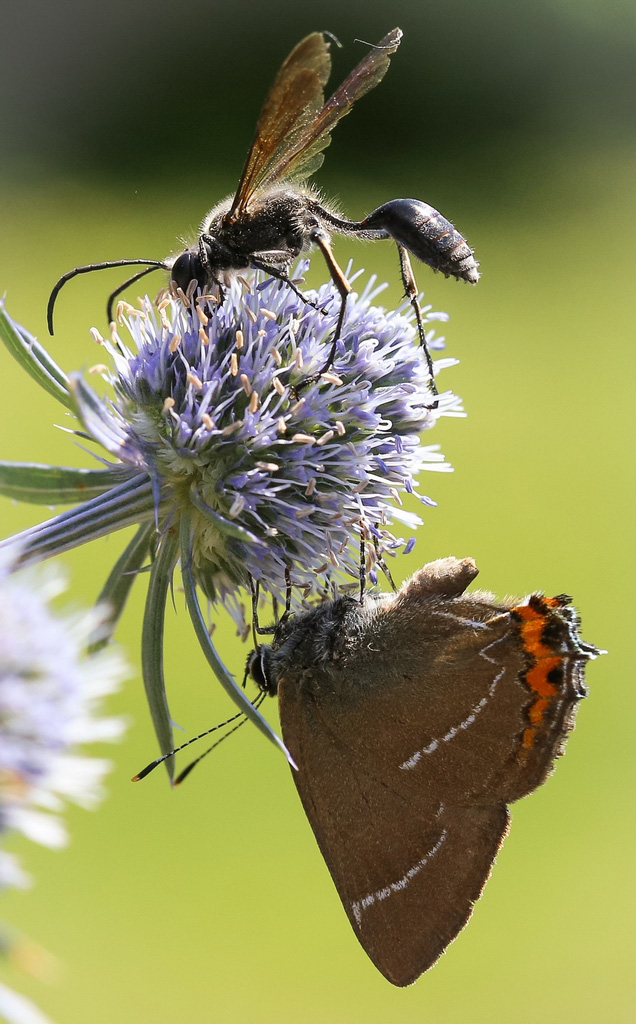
(321,239)
(282,275)
(410,290)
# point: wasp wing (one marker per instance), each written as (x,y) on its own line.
(295,124)
(292,103)
(306,156)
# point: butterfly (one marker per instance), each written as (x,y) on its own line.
(414,719)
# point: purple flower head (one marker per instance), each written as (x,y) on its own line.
(50,691)
(235,456)
(51,694)
(211,404)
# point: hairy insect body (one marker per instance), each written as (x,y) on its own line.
(275,230)
(274,217)
(280,221)
(430,237)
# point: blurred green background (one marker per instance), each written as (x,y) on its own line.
(121,124)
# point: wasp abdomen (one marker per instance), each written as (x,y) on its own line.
(428,235)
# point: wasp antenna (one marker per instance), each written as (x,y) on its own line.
(390,41)
(151,264)
(122,287)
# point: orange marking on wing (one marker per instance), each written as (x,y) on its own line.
(533,621)
(538,710)
(527,739)
(537,677)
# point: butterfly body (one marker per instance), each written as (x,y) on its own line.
(414,720)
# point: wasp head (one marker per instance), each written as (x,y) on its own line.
(188,267)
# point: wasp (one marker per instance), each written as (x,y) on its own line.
(274,216)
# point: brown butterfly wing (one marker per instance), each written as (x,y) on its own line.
(409,739)
(397,857)
(294,126)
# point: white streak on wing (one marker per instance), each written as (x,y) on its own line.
(414,759)
(382,894)
(483,653)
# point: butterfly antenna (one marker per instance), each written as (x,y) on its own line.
(153,764)
(88,269)
(186,771)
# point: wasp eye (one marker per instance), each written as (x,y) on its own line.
(188,267)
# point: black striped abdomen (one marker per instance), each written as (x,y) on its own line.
(428,235)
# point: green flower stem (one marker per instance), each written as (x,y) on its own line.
(115,591)
(34,359)
(56,485)
(152,641)
(125,505)
(226,680)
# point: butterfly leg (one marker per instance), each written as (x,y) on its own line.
(288,596)
(363,564)
(261,630)
(385,569)
(410,290)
